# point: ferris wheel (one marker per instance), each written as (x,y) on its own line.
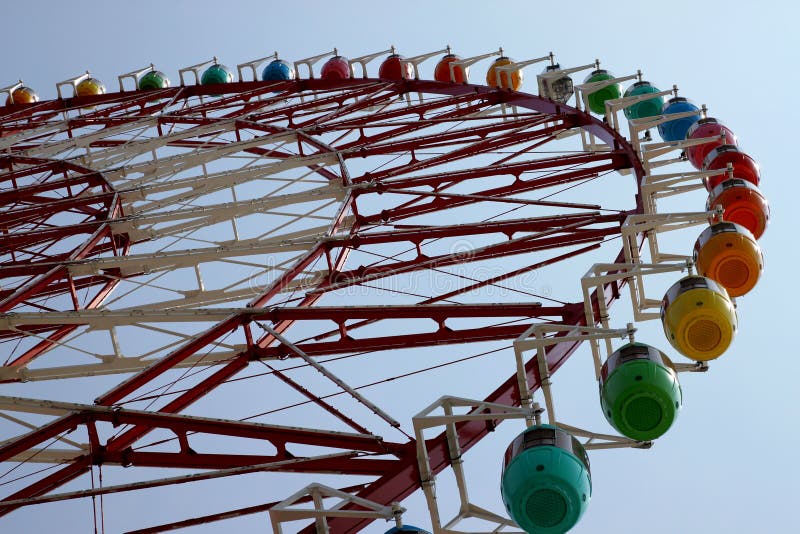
(346,278)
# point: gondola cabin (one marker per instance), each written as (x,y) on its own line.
(90,87)
(442,71)
(155,79)
(22,95)
(278,70)
(336,68)
(503,79)
(546,483)
(557,88)
(394,68)
(729,254)
(646,108)
(698,317)
(597,99)
(639,391)
(216,73)
(743,166)
(708,127)
(676,129)
(742,203)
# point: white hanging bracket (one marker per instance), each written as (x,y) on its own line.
(134,75)
(288,509)
(518,66)
(651,224)
(655,186)
(448,412)
(605,273)
(549,77)
(363,60)
(252,66)
(310,61)
(534,339)
(466,62)
(651,151)
(72,82)
(195,69)
(416,60)
(637,126)
(10,90)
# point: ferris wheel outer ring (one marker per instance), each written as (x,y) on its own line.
(403,482)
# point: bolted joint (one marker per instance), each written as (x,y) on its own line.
(98,455)
(126,460)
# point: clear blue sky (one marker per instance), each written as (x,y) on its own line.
(730,464)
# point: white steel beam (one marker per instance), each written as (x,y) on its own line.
(301,240)
(204,184)
(169,165)
(53,497)
(83,141)
(48,456)
(58,408)
(109,156)
(53,127)
(111,366)
(227,210)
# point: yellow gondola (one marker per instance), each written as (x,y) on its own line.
(90,87)
(698,317)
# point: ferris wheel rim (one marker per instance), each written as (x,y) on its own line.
(603,131)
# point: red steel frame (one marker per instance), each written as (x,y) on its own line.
(77,195)
(397,478)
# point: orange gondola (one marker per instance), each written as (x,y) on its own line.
(729,254)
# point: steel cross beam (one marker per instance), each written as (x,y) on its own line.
(338,314)
(181,425)
(360,275)
(439,335)
(133,103)
(481,146)
(131,264)
(407,210)
(516,170)
(369,145)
